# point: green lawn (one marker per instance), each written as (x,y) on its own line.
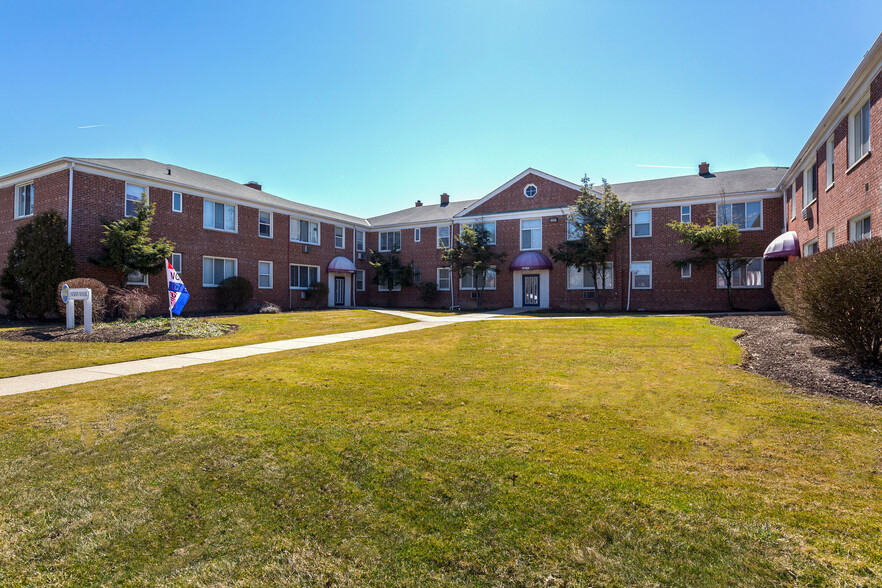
(30,358)
(615,452)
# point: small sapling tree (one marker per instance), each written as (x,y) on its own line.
(595,225)
(472,254)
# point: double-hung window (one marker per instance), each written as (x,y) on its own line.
(745,215)
(642,223)
(491,229)
(359,240)
(265,275)
(831,239)
(134,195)
(686,271)
(216,269)
(137,279)
(444,278)
(467,280)
(444,237)
(339,237)
(642,275)
(177,262)
(792,202)
(531,234)
(304,231)
(859,133)
(265,224)
(810,248)
(574,230)
(829,166)
(859,227)
(390,241)
(177,202)
(685,214)
(417,276)
(359,280)
(303,275)
(218,216)
(582,278)
(744,275)
(809,185)
(24,200)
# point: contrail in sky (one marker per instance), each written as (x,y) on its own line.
(90,126)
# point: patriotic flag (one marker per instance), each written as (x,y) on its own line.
(177,292)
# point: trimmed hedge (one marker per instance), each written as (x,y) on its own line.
(234,292)
(836,295)
(99,299)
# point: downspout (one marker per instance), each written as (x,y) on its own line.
(630,259)
(288,248)
(70,205)
(450,271)
(352,281)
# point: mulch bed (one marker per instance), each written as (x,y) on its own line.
(104,334)
(777,349)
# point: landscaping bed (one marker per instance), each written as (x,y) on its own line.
(777,349)
(148,329)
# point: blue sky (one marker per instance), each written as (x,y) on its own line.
(365,107)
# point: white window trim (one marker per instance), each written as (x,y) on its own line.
(180,268)
(343,232)
(16,212)
(793,201)
(852,160)
(609,285)
(271,224)
(438,244)
(363,241)
(686,271)
(746,202)
(854,220)
(145,200)
(830,163)
(806,245)
(634,223)
(535,190)
(363,280)
(438,279)
(749,261)
(235,268)
(380,240)
(181,200)
(806,175)
(461,287)
(318,275)
(521,235)
(146,281)
(417,235)
(689,214)
(270,287)
(235,217)
(831,232)
(633,275)
(292,220)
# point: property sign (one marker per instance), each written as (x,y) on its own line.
(68,295)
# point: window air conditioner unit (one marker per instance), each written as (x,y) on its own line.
(589,294)
(302,295)
(361,255)
(807,213)
(307,248)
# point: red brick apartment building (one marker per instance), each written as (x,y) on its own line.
(222,228)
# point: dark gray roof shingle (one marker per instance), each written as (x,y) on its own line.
(201,181)
(428,213)
(756,179)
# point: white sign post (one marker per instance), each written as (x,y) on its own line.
(68,295)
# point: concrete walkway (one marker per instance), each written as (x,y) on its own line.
(49,380)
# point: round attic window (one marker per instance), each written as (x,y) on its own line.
(530,190)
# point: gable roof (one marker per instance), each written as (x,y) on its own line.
(741,181)
(427,213)
(181,176)
(515,180)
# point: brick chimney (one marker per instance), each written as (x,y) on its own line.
(418,203)
(704,168)
(255,185)
(445,199)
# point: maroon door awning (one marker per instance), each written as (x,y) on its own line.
(785,245)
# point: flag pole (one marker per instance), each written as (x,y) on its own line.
(171,318)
